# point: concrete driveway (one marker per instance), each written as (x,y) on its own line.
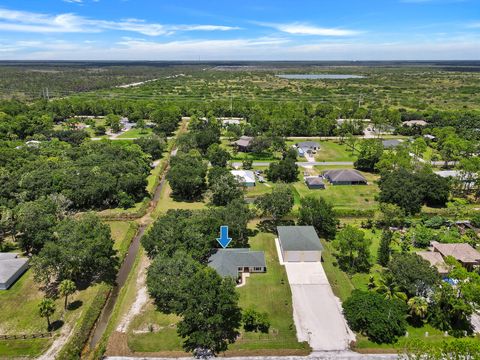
(317,312)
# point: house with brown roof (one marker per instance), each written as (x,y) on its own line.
(243,144)
(462,252)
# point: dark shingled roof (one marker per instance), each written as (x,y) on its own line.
(227,261)
(299,238)
(308,144)
(344,175)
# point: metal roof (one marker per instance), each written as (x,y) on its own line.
(391,143)
(227,261)
(299,238)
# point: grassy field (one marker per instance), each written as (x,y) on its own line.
(23,348)
(135,133)
(167,202)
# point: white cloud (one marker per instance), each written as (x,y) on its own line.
(267,48)
(298,28)
(74,1)
(23,21)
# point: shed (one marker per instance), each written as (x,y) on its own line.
(299,244)
(345,177)
(314,182)
(235,261)
(11,268)
(244,177)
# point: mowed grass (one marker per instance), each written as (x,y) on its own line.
(136,133)
(122,233)
(356,197)
(269,292)
(166,202)
(330,150)
(31,348)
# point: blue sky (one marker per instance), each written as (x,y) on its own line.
(240,30)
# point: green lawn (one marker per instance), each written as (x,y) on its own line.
(330,150)
(355,197)
(31,348)
(122,233)
(269,292)
(167,202)
(135,133)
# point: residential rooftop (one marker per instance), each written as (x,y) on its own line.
(299,238)
(227,261)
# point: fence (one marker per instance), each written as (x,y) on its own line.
(26,336)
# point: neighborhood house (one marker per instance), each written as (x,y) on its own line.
(345,177)
(244,177)
(11,268)
(462,252)
(307,147)
(236,262)
(436,260)
(299,243)
(244,143)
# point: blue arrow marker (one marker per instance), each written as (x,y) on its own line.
(224,240)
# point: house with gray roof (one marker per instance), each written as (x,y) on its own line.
(236,261)
(345,177)
(11,268)
(244,143)
(307,147)
(299,243)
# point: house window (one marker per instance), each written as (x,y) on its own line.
(240,268)
(258,269)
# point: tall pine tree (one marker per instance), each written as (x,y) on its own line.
(383,255)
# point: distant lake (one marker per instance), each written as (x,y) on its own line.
(319,76)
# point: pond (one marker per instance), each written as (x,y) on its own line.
(319,76)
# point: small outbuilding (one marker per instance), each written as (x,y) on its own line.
(236,261)
(314,182)
(11,268)
(244,177)
(345,177)
(299,244)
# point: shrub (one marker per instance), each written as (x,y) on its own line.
(255,321)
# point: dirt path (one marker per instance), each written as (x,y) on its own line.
(57,344)
(141,297)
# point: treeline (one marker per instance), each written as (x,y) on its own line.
(277,119)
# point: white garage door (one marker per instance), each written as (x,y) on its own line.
(299,256)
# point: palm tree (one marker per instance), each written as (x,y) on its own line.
(389,288)
(46,308)
(418,307)
(66,288)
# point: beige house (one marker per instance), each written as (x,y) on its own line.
(464,253)
(436,260)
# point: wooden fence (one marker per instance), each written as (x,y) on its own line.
(26,336)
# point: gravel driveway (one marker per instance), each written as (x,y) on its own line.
(317,312)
